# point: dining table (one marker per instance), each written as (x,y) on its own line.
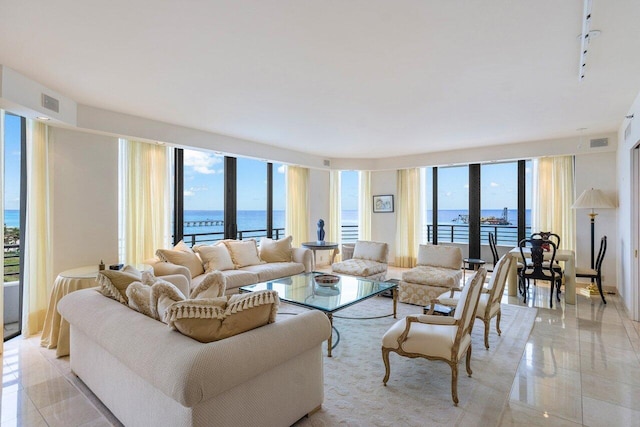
(565,255)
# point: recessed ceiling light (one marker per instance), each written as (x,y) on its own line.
(43,118)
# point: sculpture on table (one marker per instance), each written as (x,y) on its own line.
(321,231)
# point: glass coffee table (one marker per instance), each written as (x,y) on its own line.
(304,290)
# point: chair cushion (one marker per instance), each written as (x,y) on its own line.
(434,276)
(431,340)
(586,271)
(359,267)
(372,251)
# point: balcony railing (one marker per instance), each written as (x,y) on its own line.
(11,263)
(506,235)
(208,238)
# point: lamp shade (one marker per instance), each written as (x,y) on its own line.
(593,199)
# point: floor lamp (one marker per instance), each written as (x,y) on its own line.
(593,199)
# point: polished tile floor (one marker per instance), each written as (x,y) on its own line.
(581,366)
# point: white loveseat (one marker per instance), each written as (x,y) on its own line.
(149,375)
(242,262)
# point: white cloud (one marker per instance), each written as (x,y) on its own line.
(466,186)
(282,168)
(202,162)
(193,190)
(494,184)
(189,193)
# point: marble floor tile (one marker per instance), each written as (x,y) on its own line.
(74,411)
(17,406)
(51,391)
(610,390)
(598,413)
(521,415)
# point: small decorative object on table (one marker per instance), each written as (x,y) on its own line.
(116,266)
(320,231)
(101,265)
(326,279)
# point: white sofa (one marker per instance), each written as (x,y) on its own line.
(149,375)
(266,267)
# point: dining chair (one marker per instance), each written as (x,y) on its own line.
(536,269)
(548,235)
(494,249)
(596,273)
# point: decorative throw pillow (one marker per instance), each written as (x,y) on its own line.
(139,295)
(213,319)
(212,286)
(181,254)
(114,283)
(276,250)
(215,257)
(244,252)
(163,294)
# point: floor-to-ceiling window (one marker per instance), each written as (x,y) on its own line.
(221,197)
(14,208)
(349,205)
(453,204)
(499,202)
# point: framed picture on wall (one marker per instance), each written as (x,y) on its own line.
(383,203)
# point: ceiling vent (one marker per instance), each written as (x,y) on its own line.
(599,142)
(50,103)
(327,163)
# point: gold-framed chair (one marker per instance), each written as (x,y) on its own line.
(432,337)
(489,304)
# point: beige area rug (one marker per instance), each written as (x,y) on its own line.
(419,391)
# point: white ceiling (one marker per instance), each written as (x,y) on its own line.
(357,79)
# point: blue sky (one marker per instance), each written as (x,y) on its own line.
(12,162)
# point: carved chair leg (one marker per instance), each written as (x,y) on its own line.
(599,284)
(468,361)
(487,326)
(454,382)
(387,367)
(498,321)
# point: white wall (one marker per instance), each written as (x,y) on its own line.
(85,199)
(318,208)
(626,244)
(383,225)
(597,171)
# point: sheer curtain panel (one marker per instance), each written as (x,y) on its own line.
(145,211)
(38,280)
(365,203)
(335,209)
(2,217)
(297,213)
(553,194)
(408,220)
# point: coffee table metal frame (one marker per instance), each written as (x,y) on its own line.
(302,290)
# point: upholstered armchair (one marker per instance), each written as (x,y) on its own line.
(489,302)
(432,337)
(369,261)
(439,268)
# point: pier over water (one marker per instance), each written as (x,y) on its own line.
(204,223)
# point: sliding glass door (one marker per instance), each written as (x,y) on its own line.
(14,192)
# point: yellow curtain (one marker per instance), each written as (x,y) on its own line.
(38,279)
(297,214)
(408,219)
(2,218)
(553,189)
(334,231)
(364,205)
(145,200)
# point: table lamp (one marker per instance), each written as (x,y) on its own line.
(593,199)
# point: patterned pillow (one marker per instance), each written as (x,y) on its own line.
(181,254)
(215,257)
(139,295)
(276,250)
(213,319)
(114,283)
(243,252)
(163,295)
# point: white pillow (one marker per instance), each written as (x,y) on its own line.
(244,252)
(276,250)
(215,257)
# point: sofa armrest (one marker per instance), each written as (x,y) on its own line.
(303,256)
